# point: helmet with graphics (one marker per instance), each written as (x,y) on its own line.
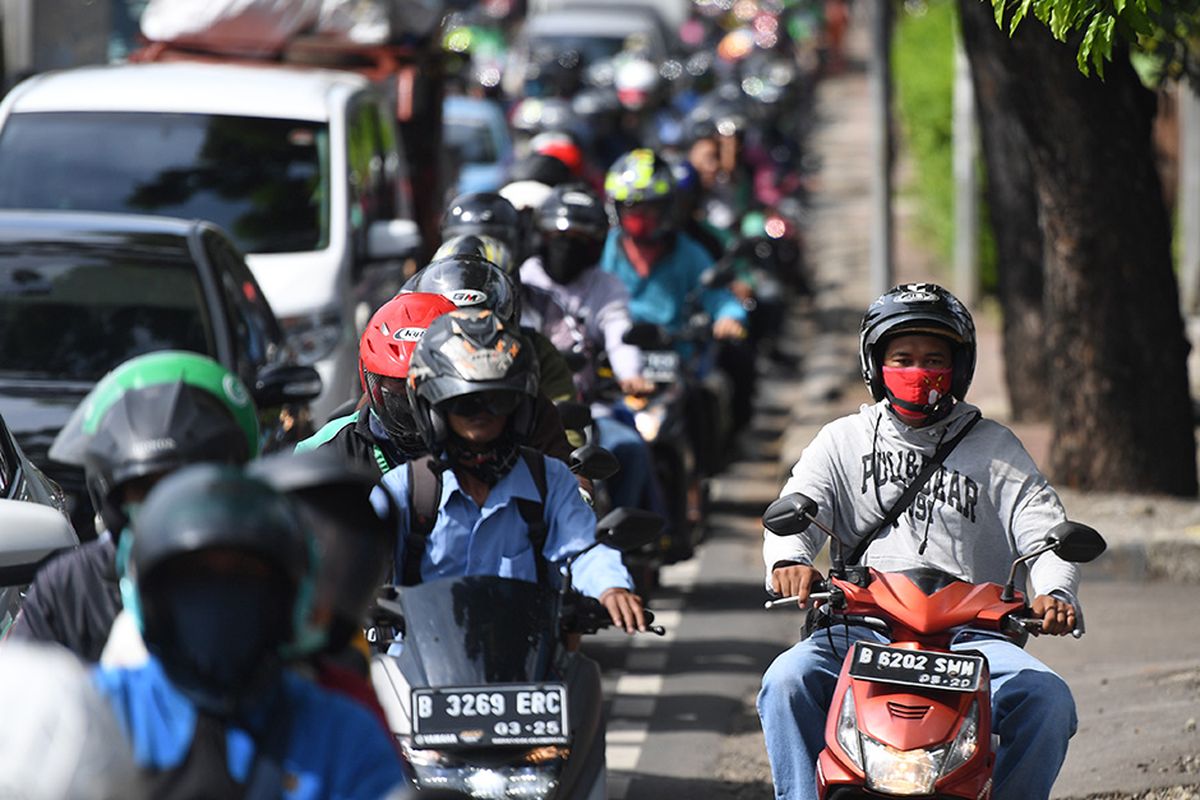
(640,186)
(482,246)
(917,308)
(151,415)
(384,353)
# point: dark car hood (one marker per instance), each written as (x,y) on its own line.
(35,411)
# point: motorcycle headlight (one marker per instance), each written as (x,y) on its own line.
(314,337)
(902,772)
(966,743)
(847,730)
(650,421)
(534,775)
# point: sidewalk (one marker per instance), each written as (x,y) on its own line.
(1149,537)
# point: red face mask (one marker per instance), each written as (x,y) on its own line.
(640,224)
(916,386)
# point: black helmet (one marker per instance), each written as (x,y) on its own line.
(573,225)
(468,352)
(917,308)
(482,212)
(153,414)
(481,246)
(355,543)
(470,281)
(573,208)
(200,512)
(540,168)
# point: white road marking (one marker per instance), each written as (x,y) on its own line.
(639,685)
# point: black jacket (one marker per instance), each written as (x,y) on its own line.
(73,600)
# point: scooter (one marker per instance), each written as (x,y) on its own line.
(913,717)
(487,695)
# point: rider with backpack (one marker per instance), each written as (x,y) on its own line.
(483,503)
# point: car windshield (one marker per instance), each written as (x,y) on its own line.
(73,313)
(592,49)
(265,181)
(472,139)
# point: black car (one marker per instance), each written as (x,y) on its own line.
(82,293)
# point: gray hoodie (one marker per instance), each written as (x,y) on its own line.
(987,504)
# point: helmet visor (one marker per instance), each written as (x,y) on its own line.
(496,403)
(389,400)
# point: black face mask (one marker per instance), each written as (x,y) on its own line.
(565,257)
(488,465)
(219,637)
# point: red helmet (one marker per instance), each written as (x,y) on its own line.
(383,356)
(560,146)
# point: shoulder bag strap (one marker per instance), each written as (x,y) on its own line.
(424,498)
(910,492)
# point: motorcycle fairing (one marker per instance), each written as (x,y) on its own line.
(905,600)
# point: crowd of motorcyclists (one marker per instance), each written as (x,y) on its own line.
(620,294)
(603,297)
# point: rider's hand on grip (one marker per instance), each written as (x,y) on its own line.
(625,608)
(1058,616)
(795,580)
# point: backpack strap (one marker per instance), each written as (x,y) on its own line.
(424,499)
(910,491)
(266,779)
(534,513)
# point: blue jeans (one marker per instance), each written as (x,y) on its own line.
(1032,711)
(634,485)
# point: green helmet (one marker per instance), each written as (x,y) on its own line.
(639,176)
(153,414)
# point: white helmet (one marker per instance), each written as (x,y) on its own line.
(60,740)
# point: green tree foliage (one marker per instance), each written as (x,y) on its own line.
(1166,29)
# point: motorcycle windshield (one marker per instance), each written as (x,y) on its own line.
(477,630)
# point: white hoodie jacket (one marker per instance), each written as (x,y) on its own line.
(987,504)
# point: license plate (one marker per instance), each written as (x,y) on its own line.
(483,716)
(933,670)
(661,366)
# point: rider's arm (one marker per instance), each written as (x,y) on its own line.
(813,476)
(572,526)
(609,300)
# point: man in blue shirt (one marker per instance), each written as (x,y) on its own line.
(496,508)
(220,584)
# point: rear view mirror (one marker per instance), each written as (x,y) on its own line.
(594,462)
(392,238)
(574,416)
(628,529)
(1076,542)
(285,384)
(32,532)
(719,274)
(647,336)
(576,361)
(790,514)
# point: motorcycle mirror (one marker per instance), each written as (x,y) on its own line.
(790,514)
(1076,542)
(575,416)
(594,462)
(647,336)
(576,361)
(720,274)
(628,529)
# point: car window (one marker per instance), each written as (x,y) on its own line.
(264,181)
(472,140)
(256,332)
(367,178)
(70,312)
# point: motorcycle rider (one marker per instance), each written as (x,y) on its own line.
(220,578)
(987,504)
(483,503)
(572,226)
(151,415)
(382,434)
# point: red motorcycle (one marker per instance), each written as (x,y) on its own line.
(911,717)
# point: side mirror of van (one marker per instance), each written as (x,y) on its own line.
(392,238)
(32,532)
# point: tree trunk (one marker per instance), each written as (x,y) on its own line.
(1012,211)
(1120,404)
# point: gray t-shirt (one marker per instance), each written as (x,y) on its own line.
(987,503)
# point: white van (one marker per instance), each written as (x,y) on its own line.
(300,166)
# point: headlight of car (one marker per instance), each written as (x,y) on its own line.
(902,772)
(533,775)
(313,336)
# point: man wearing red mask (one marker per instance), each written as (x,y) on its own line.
(986,504)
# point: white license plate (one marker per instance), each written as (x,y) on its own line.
(484,716)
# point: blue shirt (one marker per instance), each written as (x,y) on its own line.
(659,297)
(337,750)
(494,540)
